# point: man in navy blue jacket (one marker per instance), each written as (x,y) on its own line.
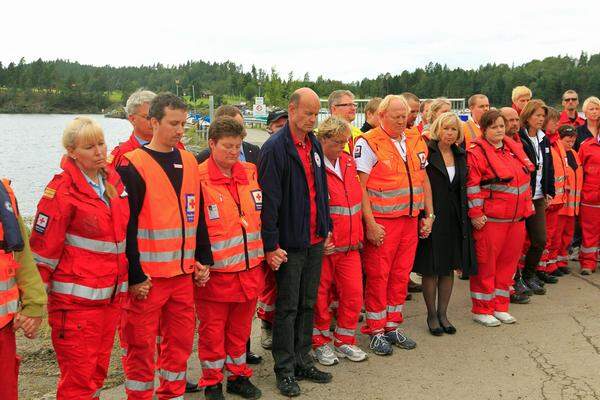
(295,229)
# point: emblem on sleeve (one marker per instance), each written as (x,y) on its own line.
(257,198)
(41,223)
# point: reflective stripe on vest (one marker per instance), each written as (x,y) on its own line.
(389,194)
(500,188)
(7,284)
(165,256)
(473,190)
(238,258)
(234,241)
(10,307)
(51,262)
(162,234)
(85,292)
(99,246)
(348,211)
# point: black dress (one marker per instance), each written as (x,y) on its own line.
(450,244)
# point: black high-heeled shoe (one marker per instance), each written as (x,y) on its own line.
(439,331)
(450,329)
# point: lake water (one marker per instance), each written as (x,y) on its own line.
(32,149)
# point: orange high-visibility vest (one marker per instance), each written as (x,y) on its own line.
(559,159)
(168,221)
(9,292)
(234,231)
(395,186)
(470,131)
(574,184)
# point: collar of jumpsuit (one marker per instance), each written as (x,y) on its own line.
(238,174)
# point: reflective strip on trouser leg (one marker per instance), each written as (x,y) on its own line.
(266,300)
(506,261)
(590,232)
(348,283)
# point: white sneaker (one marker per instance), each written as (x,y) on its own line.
(505,317)
(266,338)
(486,319)
(351,352)
(325,355)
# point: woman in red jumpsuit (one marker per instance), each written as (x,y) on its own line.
(499,200)
(78,241)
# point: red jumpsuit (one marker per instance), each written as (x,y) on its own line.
(548,262)
(396,195)
(230,220)
(266,300)
(570,211)
(589,154)
(78,243)
(498,187)
(341,270)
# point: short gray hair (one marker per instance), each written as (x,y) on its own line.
(138,98)
(336,95)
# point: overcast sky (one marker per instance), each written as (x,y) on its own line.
(345,40)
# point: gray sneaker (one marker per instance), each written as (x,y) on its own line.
(351,352)
(325,355)
(399,338)
(380,346)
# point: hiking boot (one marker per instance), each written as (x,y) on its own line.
(313,374)
(243,387)
(399,338)
(351,352)
(288,386)
(519,298)
(214,392)
(380,346)
(522,288)
(535,287)
(544,277)
(325,356)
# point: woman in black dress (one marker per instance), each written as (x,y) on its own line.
(450,245)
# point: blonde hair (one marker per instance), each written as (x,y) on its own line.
(520,91)
(385,103)
(83,128)
(530,109)
(435,106)
(86,130)
(590,100)
(333,127)
(444,120)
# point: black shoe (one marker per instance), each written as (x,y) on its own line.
(557,273)
(519,298)
(313,374)
(288,386)
(253,359)
(565,270)
(214,392)
(521,287)
(243,387)
(449,329)
(538,281)
(534,286)
(544,277)
(435,331)
(191,387)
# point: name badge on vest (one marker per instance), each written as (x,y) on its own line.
(177,166)
(547,150)
(257,198)
(317,160)
(190,207)
(213,212)
(422,159)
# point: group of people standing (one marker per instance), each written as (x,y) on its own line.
(316,225)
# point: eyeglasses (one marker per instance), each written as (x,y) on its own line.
(570,99)
(353,105)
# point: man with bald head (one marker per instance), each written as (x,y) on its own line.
(391,169)
(513,124)
(296,226)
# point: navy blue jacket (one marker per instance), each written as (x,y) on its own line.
(286,209)
(548,167)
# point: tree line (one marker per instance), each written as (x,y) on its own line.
(67,86)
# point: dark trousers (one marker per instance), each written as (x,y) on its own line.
(577,237)
(536,231)
(297,285)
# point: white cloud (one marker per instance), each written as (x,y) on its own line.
(345,40)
